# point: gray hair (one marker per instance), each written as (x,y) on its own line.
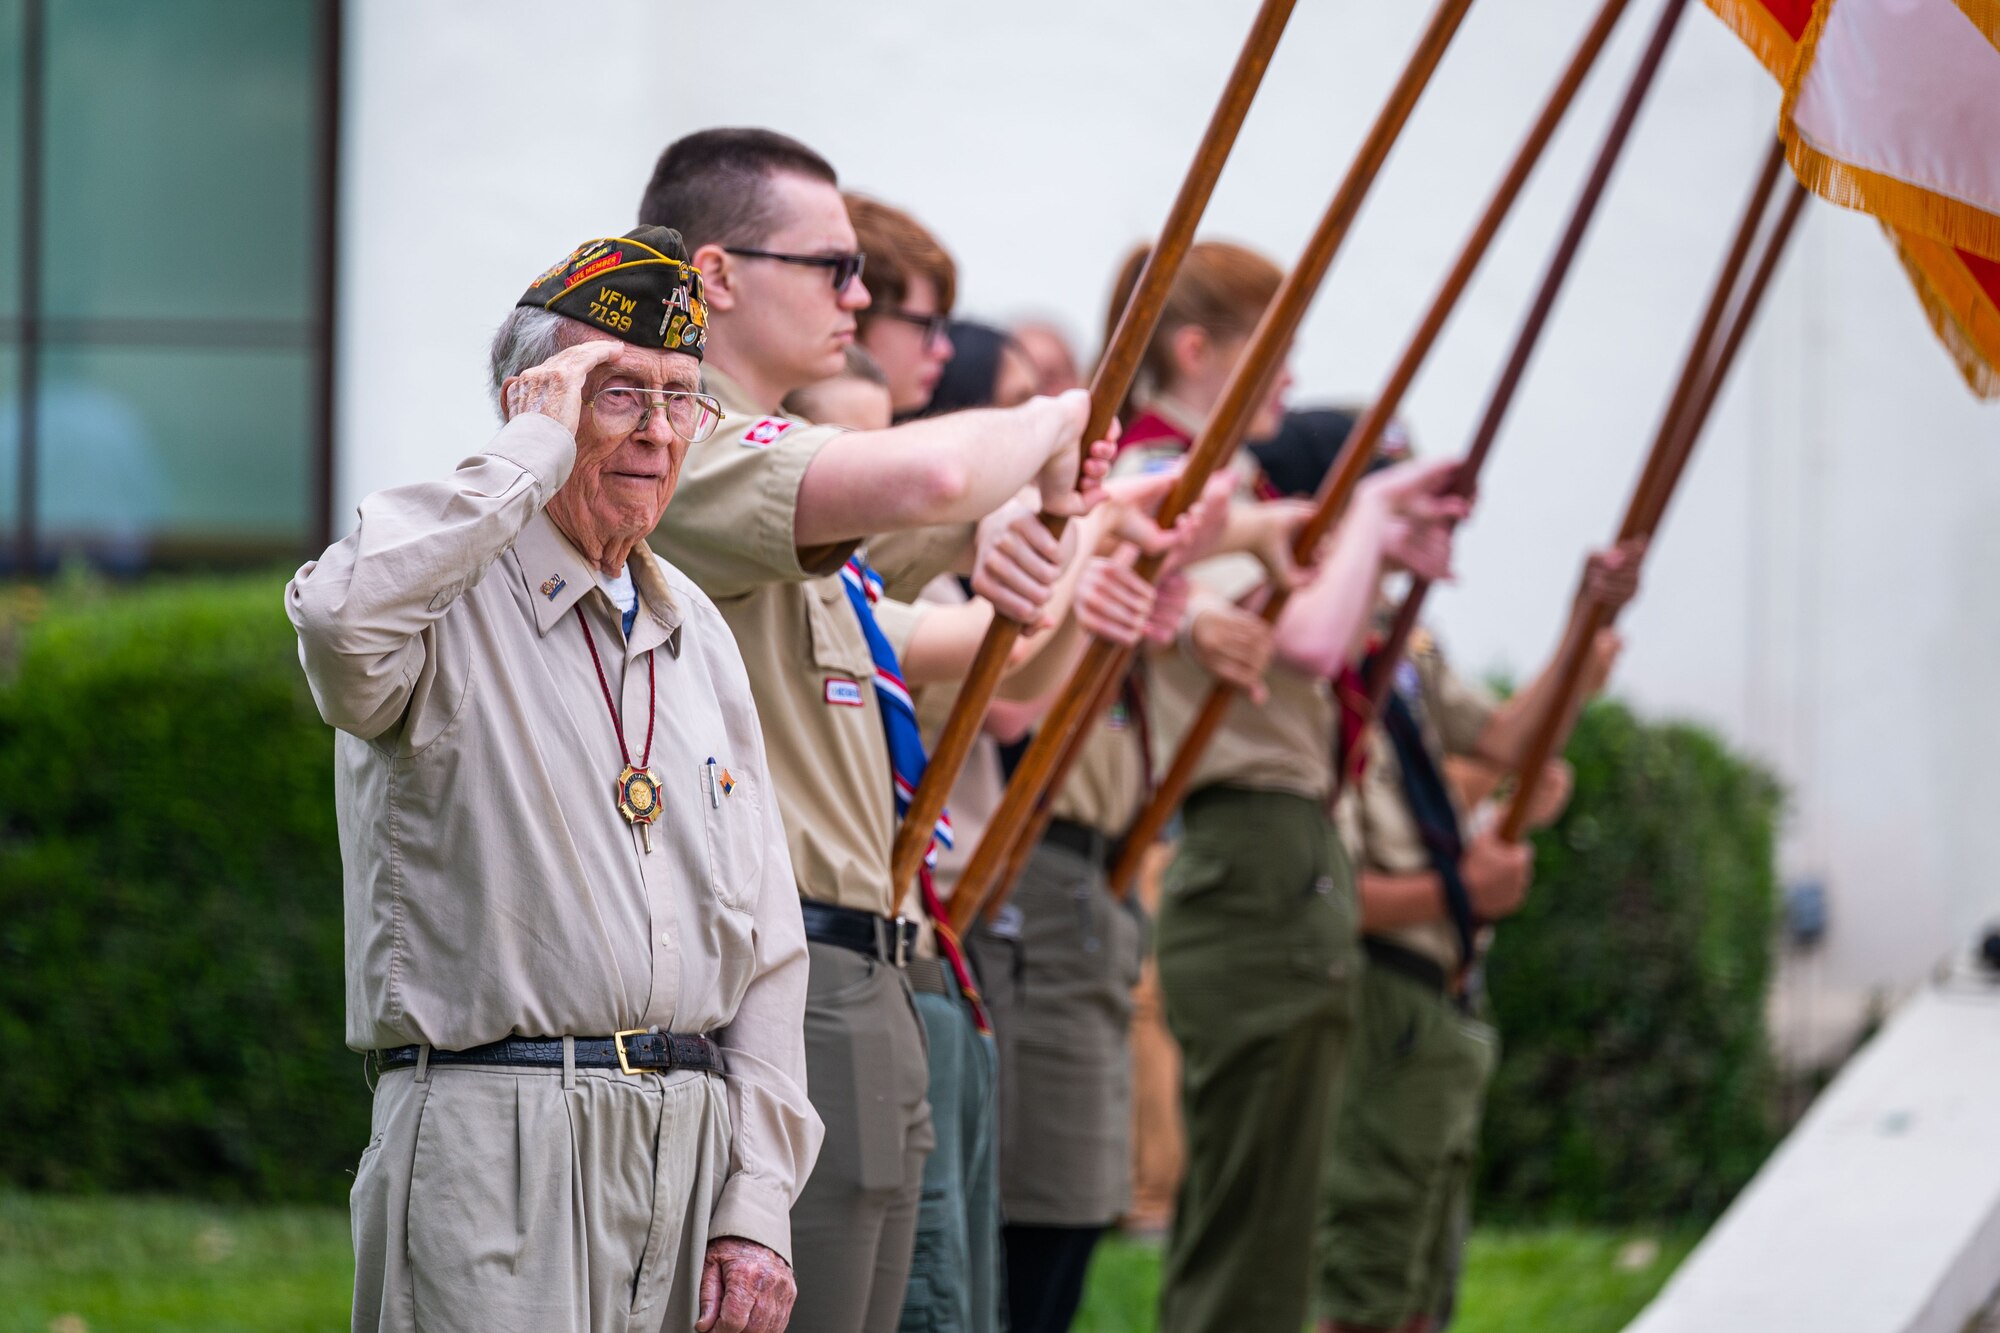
(526,338)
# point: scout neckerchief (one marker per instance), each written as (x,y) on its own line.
(1430,805)
(906,761)
(1150,429)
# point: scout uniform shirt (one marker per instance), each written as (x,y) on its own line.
(492,887)
(1108,782)
(1374,814)
(1285,745)
(730,528)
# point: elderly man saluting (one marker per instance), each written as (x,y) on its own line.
(573,938)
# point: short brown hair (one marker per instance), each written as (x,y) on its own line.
(712,186)
(1221,287)
(899,248)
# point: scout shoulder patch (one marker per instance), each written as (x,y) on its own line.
(764,432)
(843,692)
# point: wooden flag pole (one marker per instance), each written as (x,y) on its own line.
(1108,387)
(1246,389)
(1382,666)
(1664,466)
(1352,463)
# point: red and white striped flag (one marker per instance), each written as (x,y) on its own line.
(1892,107)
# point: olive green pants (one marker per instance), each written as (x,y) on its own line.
(854,1225)
(1260,965)
(955,1266)
(1400,1155)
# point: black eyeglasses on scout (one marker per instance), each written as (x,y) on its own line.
(936,327)
(846,268)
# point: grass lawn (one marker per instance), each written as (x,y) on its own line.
(127,1266)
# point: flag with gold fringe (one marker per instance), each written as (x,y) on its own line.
(1892,107)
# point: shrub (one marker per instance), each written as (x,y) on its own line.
(170,922)
(1636,1080)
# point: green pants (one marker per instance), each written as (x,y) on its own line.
(1400,1156)
(1259,966)
(955,1269)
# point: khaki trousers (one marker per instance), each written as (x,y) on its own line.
(494,1198)
(854,1225)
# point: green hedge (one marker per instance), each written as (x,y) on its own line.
(170,932)
(170,922)
(1636,1080)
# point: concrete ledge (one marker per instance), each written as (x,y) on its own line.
(1881,1212)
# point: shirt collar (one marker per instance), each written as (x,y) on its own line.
(557,578)
(729,393)
(1178,415)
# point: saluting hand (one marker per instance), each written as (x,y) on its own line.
(745,1288)
(555,387)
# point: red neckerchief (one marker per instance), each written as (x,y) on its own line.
(1150,430)
(1351,692)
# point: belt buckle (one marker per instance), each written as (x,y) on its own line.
(902,949)
(618,1045)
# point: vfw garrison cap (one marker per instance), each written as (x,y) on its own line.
(638,287)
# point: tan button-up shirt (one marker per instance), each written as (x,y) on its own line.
(1374,814)
(730,527)
(492,887)
(1284,745)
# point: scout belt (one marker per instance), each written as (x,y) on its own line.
(635,1052)
(1406,963)
(886,938)
(1092,844)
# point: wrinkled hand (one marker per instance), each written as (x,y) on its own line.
(1235,646)
(1016,562)
(1552,793)
(1611,577)
(1112,602)
(555,387)
(1496,874)
(1071,481)
(745,1288)
(1170,601)
(1604,651)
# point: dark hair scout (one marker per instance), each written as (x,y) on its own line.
(973,373)
(713,185)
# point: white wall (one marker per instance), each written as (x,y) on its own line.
(1818,593)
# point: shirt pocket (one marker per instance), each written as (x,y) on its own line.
(731,829)
(839,648)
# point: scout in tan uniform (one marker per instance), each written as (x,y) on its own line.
(1257,953)
(772,508)
(1405,1132)
(573,939)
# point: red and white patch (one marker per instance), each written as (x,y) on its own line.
(764,432)
(844,692)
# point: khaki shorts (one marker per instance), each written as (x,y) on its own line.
(494,1198)
(1399,1160)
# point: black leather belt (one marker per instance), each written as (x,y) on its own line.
(1408,963)
(888,939)
(1092,844)
(638,1052)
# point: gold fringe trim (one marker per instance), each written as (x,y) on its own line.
(1897,202)
(1961,313)
(1985,16)
(1764,35)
